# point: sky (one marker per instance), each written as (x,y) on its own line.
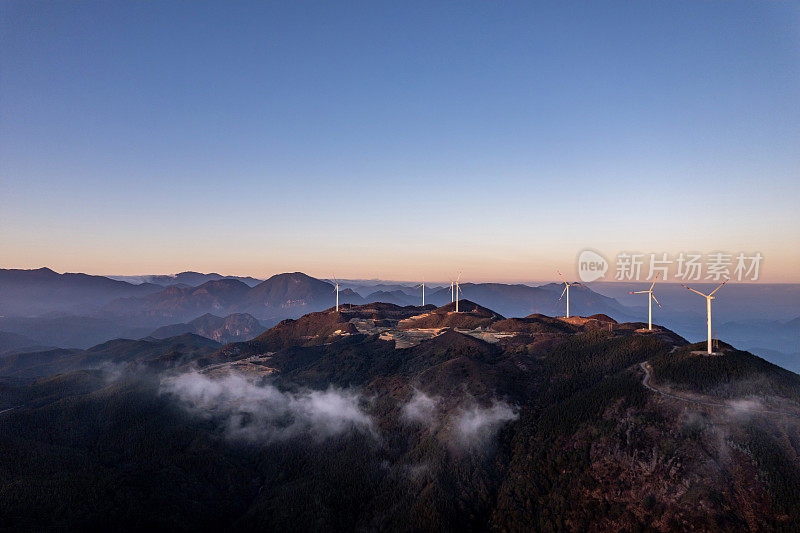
(396,140)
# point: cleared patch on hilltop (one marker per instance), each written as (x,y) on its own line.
(469,316)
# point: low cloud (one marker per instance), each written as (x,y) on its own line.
(745,407)
(112,372)
(261,412)
(421,408)
(466,422)
(476,425)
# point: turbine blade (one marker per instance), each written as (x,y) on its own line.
(718,288)
(654,281)
(691,289)
(560,276)
(562,293)
(638,292)
(656,299)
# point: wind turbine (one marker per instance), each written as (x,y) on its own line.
(708,297)
(423,291)
(458,289)
(566,290)
(650,299)
(336,290)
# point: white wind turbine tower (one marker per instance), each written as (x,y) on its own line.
(452,287)
(458,289)
(423,291)
(336,290)
(566,290)
(650,299)
(708,297)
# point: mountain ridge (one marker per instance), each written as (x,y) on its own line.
(326,423)
(290,295)
(38,291)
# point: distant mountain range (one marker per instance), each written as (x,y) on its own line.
(294,294)
(396,297)
(365,288)
(190,278)
(281,296)
(191,294)
(15,342)
(522,300)
(232,328)
(79,310)
(776,340)
(771,333)
(43,291)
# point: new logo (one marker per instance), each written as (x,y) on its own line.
(591,266)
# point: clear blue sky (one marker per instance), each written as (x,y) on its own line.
(396,140)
